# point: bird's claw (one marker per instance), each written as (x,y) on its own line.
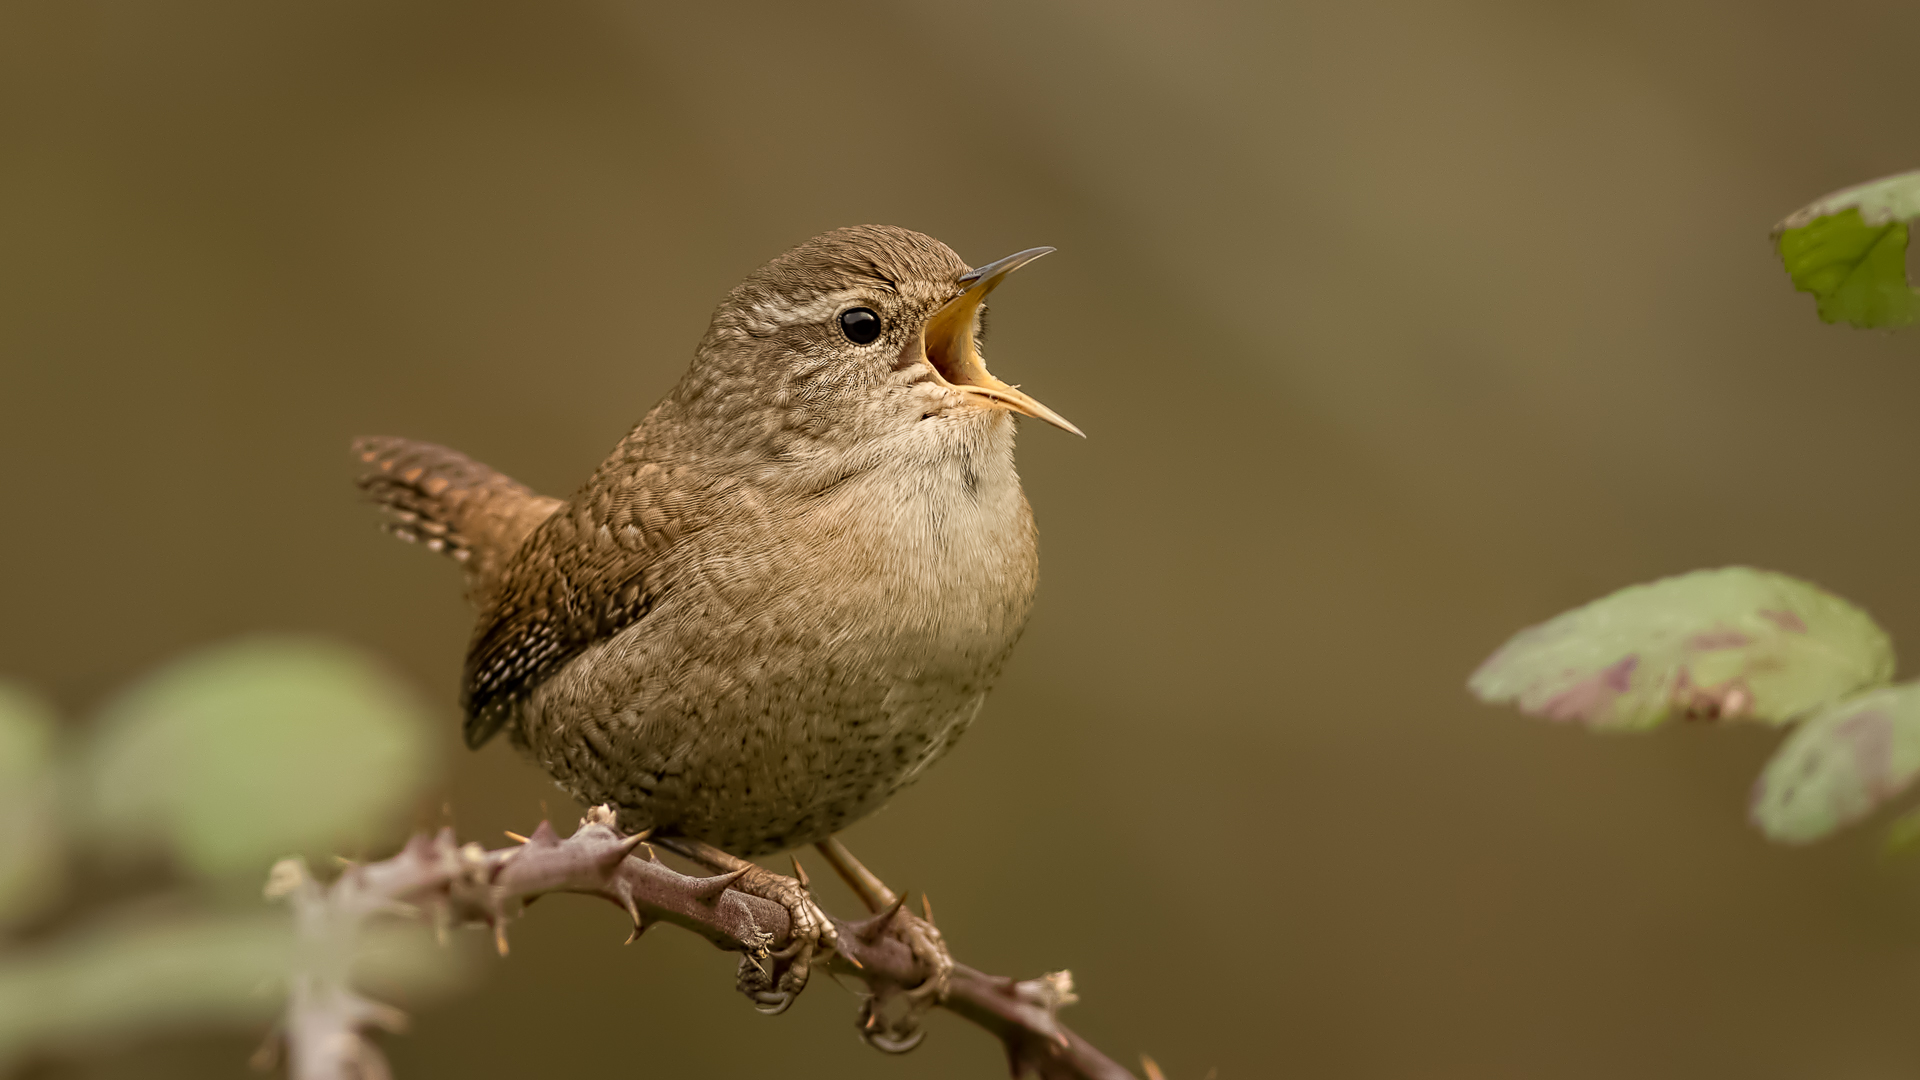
(928,947)
(771,1002)
(890,1019)
(770,978)
(896,1036)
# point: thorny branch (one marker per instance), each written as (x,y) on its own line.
(457,884)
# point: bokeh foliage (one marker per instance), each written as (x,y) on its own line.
(183,790)
(235,756)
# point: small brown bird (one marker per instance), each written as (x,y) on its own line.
(787,590)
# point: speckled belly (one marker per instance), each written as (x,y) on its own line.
(763,763)
(755,707)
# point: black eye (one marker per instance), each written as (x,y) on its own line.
(860,325)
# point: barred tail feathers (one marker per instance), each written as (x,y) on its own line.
(450,503)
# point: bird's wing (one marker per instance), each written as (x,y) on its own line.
(582,576)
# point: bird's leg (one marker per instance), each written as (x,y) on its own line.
(898,1034)
(812,935)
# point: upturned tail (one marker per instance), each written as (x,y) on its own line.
(452,504)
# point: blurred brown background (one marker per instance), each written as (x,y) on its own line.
(1395,326)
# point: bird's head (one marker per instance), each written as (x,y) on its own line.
(861,334)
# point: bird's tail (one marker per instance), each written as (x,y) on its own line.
(451,503)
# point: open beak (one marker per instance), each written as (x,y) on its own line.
(949,344)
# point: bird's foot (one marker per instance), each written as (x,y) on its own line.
(773,982)
(771,978)
(890,1019)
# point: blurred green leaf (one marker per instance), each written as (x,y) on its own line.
(31,865)
(1840,765)
(1729,643)
(1903,834)
(237,755)
(144,973)
(1849,249)
(128,978)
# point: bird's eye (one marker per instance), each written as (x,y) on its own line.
(860,325)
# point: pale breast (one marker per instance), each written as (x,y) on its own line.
(805,662)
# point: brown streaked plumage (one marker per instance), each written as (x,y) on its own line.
(788,589)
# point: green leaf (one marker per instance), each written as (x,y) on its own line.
(1734,643)
(142,976)
(243,753)
(1840,765)
(1903,834)
(1849,250)
(31,866)
(142,972)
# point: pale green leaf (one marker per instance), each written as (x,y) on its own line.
(1849,250)
(1903,833)
(143,976)
(1734,643)
(31,864)
(237,755)
(1841,765)
(143,973)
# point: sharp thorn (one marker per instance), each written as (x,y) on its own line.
(500,936)
(633,912)
(800,874)
(619,852)
(710,888)
(852,959)
(514,836)
(647,849)
(926,907)
(872,928)
(1151,1068)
